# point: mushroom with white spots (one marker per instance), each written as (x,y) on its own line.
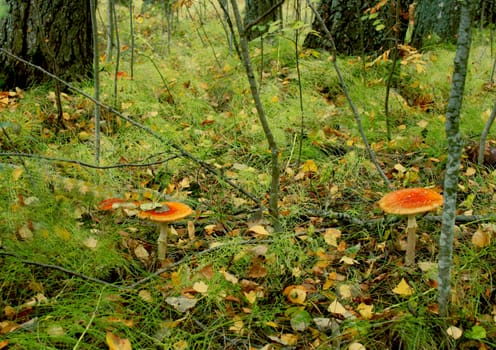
(410,202)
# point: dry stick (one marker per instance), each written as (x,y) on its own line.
(208,167)
(347,95)
(485,132)
(274,186)
(62,269)
(87,165)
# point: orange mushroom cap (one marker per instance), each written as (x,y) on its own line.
(114,203)
(410,201)
(167,212)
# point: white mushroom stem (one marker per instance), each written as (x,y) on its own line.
(162,241)
(411,230)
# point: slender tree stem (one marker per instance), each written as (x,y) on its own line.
(455,145)
(485,132)
(274,187)
(347,94)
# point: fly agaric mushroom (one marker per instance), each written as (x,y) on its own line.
(411,201)
(165,213)
(116,203)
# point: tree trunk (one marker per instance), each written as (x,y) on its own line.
(455,146)
(55,35)
(259,14)
(359,26)
(437,20)
(368,26)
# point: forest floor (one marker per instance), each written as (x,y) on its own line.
(76,277)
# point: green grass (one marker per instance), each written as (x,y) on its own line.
(49,216)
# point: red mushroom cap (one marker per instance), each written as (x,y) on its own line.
(114,203)
(410,201)
(167,212)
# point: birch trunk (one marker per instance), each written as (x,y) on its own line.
(455,145)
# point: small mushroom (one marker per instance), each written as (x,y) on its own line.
(410,202)
(164,214)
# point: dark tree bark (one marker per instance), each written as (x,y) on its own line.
(355,32)
(440,18)
(259,14)
(359,26)
(55,35)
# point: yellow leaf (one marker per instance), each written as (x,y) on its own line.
(295,294)
(251,296)
(348,261)
(289,339)
(481,238)
(229,277)
(91,243)
(356,346)
(274,99)
(422,123)
(146,295)
(309,166)
(16,173)
(337,308)
(238,325)
(345,291)
(62,233)
(365,310)
(200,287)
(116,343)
(259,230)
(403,288)
(331,236)
(454,332)
(180,345)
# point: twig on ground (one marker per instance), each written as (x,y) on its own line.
(87,165)
(62,269)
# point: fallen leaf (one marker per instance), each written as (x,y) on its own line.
(91,243)
(331,236)
(295,294)
(145,295)
(348,261)
(454,332)
(200,287)
(300,320)
(356,346)
(259,230)
(181,304)
(403,288)
(309,166)
(481,238)
(337,308)
(116,343)
(180,345)
(238,325)
(365,310)
(229,277)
